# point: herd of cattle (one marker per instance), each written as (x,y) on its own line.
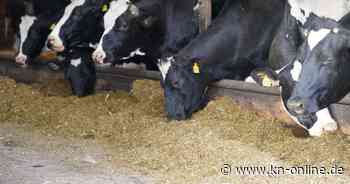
(297,45)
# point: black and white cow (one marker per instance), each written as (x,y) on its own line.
(116,9)
(303,44)
(33,25)
(237,42)
(81,25)
(153,28)
(80,71)
(324,72)
(33,42)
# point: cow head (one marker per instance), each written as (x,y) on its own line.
(117,8)
(324,76)
(24,28)
(130,31)
(185,89)
(75,27)
(80,71)
(33,35)
(307,80)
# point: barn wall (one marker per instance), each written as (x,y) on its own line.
(2,19)
(5,41)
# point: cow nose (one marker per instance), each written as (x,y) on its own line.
(50,42)
(21,59)
(99,56)
(55,44)
(296,105)
(177,117)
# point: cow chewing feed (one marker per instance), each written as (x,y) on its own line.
(117,8)
(324,75)
(33,37)
(237,42)
(80,71)
(32,21)
(302,41)
(81,25)
(130,34)
(155,27)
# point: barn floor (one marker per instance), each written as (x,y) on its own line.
(48,137)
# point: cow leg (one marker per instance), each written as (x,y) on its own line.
(324,123)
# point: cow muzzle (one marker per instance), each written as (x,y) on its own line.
(55,44)
(178,116)
(21,59)
(98,56)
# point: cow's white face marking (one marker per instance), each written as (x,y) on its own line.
(134,53)
(117,8)
(335,30)
(55,34)
(291,116)
(301,9)
(324,122)
(164,66)
(316,37)
(197,6)
(25,25)
(75,62)
(295,72)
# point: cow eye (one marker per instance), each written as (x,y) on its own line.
(175,84)
(124,27)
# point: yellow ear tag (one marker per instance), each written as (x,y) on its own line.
(104,8)
(52,27)
(196,68)
(266,81)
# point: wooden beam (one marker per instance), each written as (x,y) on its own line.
(205,14)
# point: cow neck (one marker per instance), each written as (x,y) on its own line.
(302,9)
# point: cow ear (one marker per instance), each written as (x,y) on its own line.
(265,77)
